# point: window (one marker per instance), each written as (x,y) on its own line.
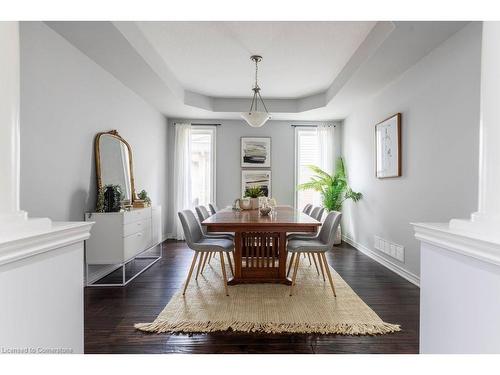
(202,165)
(306,153)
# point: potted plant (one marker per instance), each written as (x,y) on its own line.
(144,199)
(254,192)
(334,189)
(109,198)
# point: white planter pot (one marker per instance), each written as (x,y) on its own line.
(255,203)
(338,236)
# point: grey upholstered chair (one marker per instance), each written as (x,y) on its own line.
(203,245)
(203,214)
(307,208)
(316,213)
(317,245)
(213,208)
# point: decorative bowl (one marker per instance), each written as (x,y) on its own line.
(264,211)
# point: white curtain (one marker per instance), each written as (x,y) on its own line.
(327,151)
(182,175)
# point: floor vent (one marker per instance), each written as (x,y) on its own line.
(390,248)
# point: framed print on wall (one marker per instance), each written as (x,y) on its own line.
(388,147)
(254,178)
(256,152)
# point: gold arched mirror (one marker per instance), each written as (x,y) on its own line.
(113,157)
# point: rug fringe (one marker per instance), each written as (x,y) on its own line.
(322,328)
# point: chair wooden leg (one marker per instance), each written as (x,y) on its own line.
(309,256)
(315,264)
(223,266)
(291,263)
(210,257)
(204,262)
(190,272)
(230,263)
(328,273)
(321,266)
(200,262)
(295,273)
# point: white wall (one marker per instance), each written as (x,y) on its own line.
(439,100)
(66,99)
(228,166)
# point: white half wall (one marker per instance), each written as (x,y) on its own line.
(66,98)
(459,309)
(439,101)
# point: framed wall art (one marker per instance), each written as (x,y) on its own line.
(255,152)
(388,147)
(256,178)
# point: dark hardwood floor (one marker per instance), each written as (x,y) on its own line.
(110,313)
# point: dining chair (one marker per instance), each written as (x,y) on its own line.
(213,208)
(318,214)
(314,212)
(203,214)
(203,245)
(317,245)
(307,208)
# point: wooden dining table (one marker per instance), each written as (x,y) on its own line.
(260,241)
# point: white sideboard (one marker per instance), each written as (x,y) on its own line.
(118,238)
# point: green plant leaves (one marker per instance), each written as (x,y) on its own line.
(254,192)
(334,189)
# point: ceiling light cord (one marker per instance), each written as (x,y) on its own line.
(256,72)
(256,90)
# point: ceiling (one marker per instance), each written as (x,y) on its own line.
(310,71)
(299,58)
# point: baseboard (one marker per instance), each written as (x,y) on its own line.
(167,236)
(405,274)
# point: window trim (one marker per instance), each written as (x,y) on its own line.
(297,129)
(213,130)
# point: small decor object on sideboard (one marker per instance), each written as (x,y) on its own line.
(388,147)
(143,201)
(109,198)
(144,196)
(256,152)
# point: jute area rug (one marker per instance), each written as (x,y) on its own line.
(268,308)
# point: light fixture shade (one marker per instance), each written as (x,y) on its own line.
(255,119)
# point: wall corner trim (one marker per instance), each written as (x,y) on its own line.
(405,274)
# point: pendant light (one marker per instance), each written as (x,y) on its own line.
(254,117)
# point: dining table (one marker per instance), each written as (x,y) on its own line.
(260,252)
